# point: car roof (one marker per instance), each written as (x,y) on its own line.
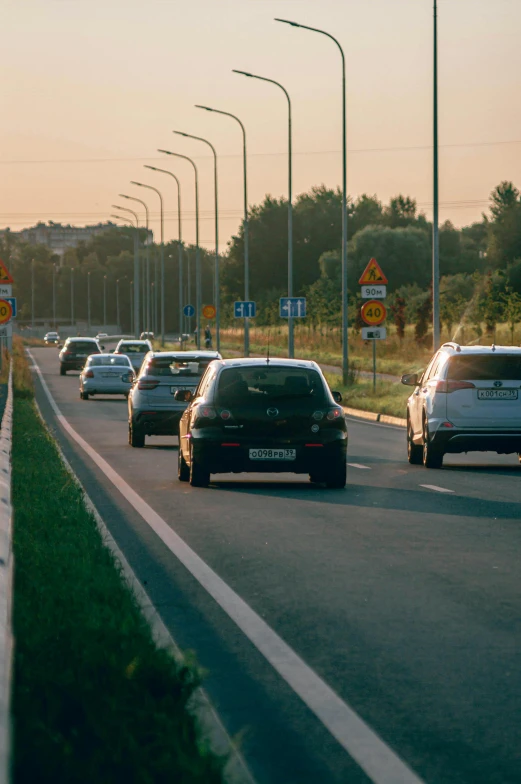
(83,340)
(134,341)
(271,361)
(455,348)
(187,354)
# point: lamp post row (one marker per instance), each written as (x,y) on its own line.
(435,243)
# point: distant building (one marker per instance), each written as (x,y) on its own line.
(58,238)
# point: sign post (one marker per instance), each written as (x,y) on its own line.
(373,311)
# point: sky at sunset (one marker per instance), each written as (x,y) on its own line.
(91,89)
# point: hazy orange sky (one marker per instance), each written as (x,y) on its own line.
(91,89)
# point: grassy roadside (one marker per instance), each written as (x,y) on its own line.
(390,398)
(94,699)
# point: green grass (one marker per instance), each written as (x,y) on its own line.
(94,699)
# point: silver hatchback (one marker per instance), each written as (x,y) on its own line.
(152,407)
(135,350)
(106,374)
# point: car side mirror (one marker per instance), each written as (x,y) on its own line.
(410,379)
(183,396)
(337,397)
(102,348)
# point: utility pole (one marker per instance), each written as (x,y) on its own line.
(435,215)
(32,297)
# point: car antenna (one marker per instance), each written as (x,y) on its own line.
(268,354)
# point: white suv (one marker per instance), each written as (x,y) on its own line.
(467,400)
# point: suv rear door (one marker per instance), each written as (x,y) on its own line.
(484,390)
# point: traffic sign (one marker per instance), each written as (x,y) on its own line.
(374,333)
(373,312)
(6,331)
(209,311)
(189,311)
(245,309)
(12,302)
(373,274)
(6,311)
(5,275)
(374,292)
(292,307)
(6,290)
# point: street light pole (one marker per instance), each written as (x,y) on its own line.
(131,308)
(245,224)
(135,319)
(291,344)
(197,249)
(54,295)
(117,302)
(345,323)
(146,294)
(104,302)
(179,242)
(435,216)
(32,297)
(216,284)
(162,216)
(72,296)
(88,300)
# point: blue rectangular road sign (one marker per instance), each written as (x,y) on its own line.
(245,309)
(292,307)
(12,301)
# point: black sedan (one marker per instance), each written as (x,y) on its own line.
(75,351)
(262,415)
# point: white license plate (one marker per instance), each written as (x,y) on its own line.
(497,394)
(273,454)
(173,390)
(110,375)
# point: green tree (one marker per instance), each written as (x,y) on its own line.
(404,255)
(511,309)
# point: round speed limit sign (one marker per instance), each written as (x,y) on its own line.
(6,311)
(373,312)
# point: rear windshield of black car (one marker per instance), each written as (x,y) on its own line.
(178,366)
(485,367)
(267,385)
(83,348)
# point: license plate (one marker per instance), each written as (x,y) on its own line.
(110,375)
(173,390)
(273,454)
(497,394)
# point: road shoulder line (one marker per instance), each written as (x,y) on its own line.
(377,760)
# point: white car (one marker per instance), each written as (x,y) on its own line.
(467,400)
(135,350)
(106,374)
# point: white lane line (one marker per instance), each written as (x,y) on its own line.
(359,465)
(372,754)
(438,489)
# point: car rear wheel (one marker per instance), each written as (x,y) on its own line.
(336,476)
(183,472)
(414,452)
(62,370)
(432,455)
(84,395)
(199,477)
(136,437)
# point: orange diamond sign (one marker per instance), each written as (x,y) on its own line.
(373,274)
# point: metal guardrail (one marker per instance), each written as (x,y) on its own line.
(6,585)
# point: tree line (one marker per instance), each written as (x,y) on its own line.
(480,264)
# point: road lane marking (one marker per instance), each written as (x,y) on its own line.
(438,489)
(381,764)
(359,465)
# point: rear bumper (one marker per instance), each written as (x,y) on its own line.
(219,458)
(75,364)
(158,423)
(113,389)
(456,440)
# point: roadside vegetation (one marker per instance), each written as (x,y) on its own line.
(94,699)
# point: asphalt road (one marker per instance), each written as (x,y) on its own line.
(404,599)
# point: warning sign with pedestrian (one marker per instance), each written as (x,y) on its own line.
(373,274)
(5,275)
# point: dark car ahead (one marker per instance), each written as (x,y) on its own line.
(75,352)
(254,415)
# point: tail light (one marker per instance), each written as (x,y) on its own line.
(147,383)
(68,354)
(89,374)
(204,416)
(453,386)
(335,413)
